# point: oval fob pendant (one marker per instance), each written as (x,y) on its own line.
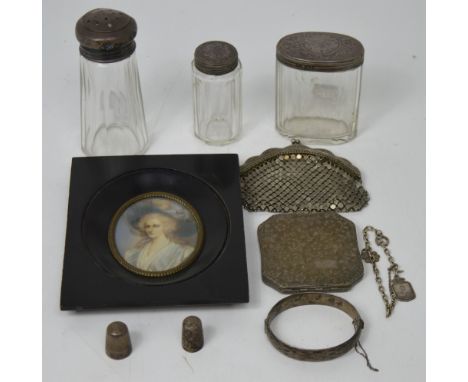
(403,289)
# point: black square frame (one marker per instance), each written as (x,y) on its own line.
(93,279)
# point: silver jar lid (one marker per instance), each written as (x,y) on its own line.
(216,58)
(106,35)
(320,51)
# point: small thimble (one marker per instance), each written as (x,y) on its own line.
(118,343)
(192,334)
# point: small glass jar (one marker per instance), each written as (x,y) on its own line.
(112,114)
(217,109)
(318,82)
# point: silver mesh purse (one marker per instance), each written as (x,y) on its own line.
(300,179)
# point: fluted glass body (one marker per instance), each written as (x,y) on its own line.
(217,107)
(317,107)
(112,114)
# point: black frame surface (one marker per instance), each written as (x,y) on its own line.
(93,279)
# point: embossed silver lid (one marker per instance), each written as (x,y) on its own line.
(216,58)
(320,51)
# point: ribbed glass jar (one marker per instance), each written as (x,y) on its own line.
(217,103)
(112,115)
(318,82)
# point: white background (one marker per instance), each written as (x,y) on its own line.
(389,150)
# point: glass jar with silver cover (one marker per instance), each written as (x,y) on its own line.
(217,104)
(112,115)
(318,81)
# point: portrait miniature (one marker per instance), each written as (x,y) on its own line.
(156,234)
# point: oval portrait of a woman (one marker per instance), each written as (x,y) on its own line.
(156,234)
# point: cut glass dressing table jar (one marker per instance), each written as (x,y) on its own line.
(112,115)
(217,108)
(318,81)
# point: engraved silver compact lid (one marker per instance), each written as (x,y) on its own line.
(309,252)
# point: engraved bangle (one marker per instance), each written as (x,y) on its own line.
(314,299)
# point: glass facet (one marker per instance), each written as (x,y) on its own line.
(217,106)
(317,107)
(112,114)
